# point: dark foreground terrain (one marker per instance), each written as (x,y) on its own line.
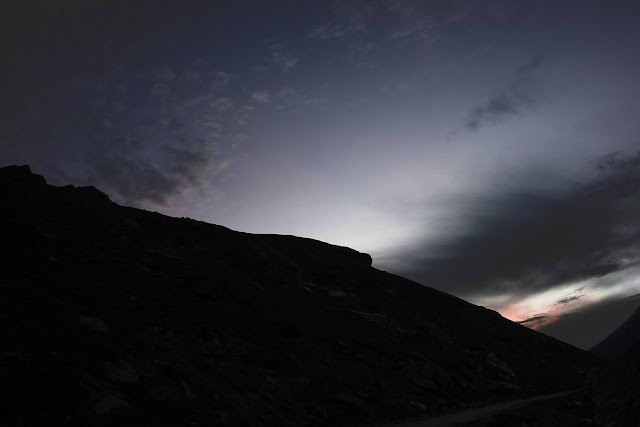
(114,316)
(616,387)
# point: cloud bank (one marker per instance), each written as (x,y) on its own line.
(522,242)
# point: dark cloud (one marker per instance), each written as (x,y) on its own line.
(495,109)
(567,300)
(512,100)
(533,321)
(525,241)
(572,296)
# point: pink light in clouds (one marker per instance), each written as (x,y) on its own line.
(547,306)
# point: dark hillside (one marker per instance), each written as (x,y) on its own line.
(118,316)
(620,340)
(615,388)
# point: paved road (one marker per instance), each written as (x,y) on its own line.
(477,413)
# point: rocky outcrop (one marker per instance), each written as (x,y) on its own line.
(117,316)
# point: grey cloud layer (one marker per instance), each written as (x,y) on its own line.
(524,242)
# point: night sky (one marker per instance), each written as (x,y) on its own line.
(489,149)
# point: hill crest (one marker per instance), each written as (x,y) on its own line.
(117,315)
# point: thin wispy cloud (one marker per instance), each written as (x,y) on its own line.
(285,60)
(220,80)
(329,31)
(513,100)
(573,296)
(262,96)
(349,18)
(316,101)
(222,105)
(164,73)
(567,300)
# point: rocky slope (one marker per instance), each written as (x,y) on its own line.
(616,387)
(616,390)
(118,316)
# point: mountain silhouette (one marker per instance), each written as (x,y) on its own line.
(113,315)
(621,339)
(615,389)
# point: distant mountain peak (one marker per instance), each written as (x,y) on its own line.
(621,339)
